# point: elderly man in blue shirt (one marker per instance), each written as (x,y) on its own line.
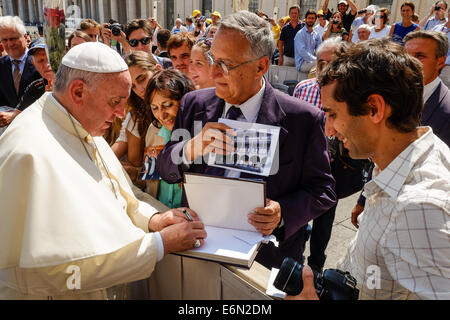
(306,42)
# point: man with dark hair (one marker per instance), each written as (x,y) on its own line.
(430,47)
(401,248)
(343,5)
(162,38)
(179,48)
(190,24)
(286,41)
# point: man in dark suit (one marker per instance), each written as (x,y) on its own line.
(430,47)
(16,69)
(302,188)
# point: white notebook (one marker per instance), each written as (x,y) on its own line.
(222,204)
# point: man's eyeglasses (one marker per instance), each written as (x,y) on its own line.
(378,16)
(135,42)
(319,16)
(222,65)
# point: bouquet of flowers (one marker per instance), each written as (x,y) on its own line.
(54,31)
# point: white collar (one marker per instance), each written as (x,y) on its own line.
(429,88)
(250,108)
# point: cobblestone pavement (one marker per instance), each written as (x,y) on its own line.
(343,232)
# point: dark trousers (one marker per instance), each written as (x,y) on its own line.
(320,236)
(271,257)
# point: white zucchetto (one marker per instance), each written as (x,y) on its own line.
(94,57)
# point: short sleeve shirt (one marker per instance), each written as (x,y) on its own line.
(287,36)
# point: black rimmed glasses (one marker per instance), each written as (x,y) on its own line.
(135,42)
(223,66)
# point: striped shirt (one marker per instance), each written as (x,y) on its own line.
(309,90)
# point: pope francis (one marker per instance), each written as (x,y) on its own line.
(70,226)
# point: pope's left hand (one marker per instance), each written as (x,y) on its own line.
(266,219)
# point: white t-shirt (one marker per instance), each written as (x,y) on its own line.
(321,30)
(380,34)
(123,135)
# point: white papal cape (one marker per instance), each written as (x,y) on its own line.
(59,218)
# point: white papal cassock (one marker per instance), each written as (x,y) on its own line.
(59,209)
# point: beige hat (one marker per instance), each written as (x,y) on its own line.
(94,57)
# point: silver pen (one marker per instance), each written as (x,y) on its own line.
(189,217)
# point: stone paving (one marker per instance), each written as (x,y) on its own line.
(343,232)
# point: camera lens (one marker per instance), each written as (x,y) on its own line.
(437,8)
(289,278)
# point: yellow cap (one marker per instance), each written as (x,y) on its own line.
(208,21)
(285,19)
(217,14)
(320,12)
(196,12)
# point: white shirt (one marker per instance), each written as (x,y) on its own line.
(379,34)
(107,182)
(319,29)
(429,88)
(250,109)
(402,247)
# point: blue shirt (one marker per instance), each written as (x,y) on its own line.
(400,32)
(305,44)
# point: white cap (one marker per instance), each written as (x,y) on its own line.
(94,57)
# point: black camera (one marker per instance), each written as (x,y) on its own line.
(335,21)
(437,8)
(333,284)
(115,28)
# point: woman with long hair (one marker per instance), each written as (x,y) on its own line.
(199,67)
(163,96)
(335,27)
(142,67)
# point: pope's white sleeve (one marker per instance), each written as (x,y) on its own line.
(133,262)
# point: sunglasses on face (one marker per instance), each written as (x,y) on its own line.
(379,16)
(135,42)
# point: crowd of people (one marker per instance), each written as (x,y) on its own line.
(80,141)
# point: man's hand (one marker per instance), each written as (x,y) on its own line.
(280,60)
(309,291)
(182,236)
(266,219)
(106,35)
(214,137)
(357,210)
(160,221)
(7,117)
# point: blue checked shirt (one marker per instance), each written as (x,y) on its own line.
(305,45)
